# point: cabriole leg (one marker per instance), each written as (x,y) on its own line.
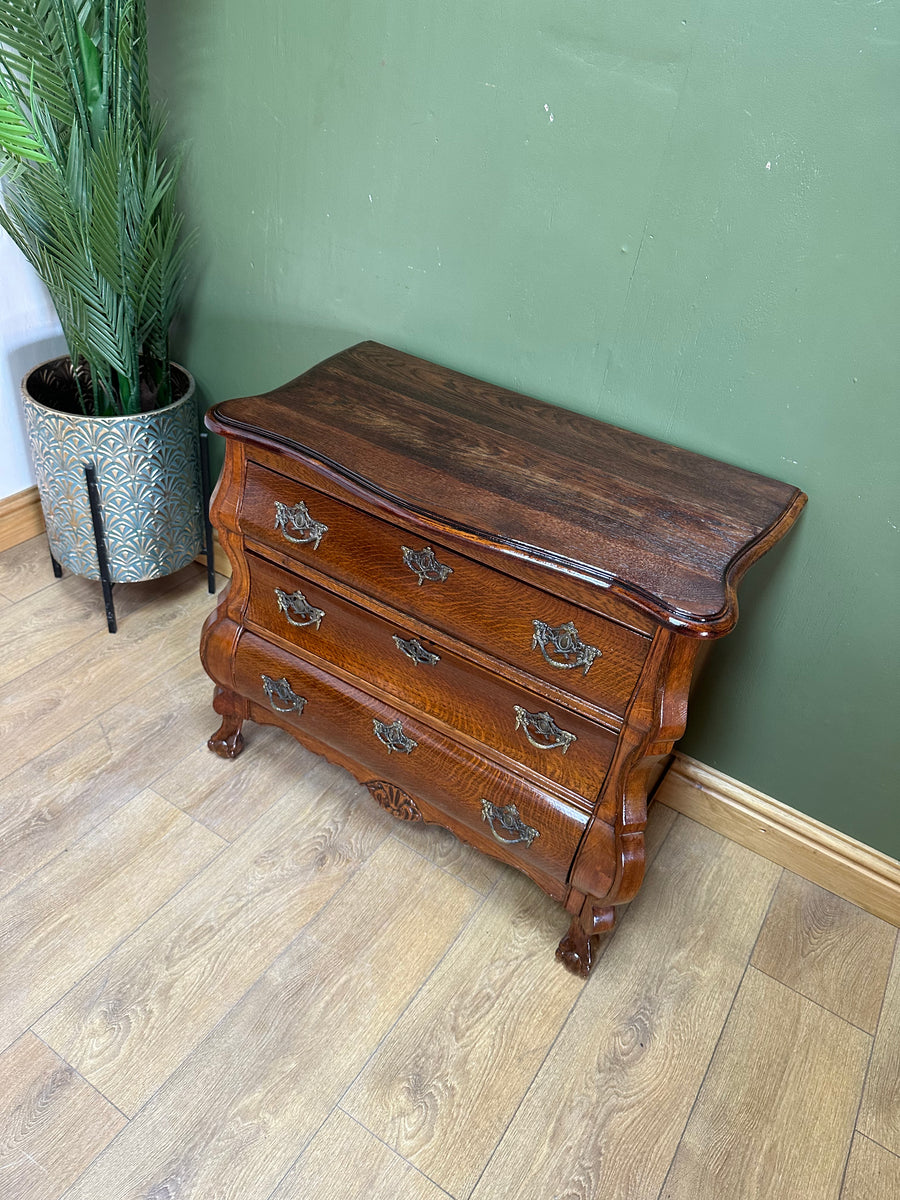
(228,741)
(576,951)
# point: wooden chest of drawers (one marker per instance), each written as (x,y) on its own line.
(485,607)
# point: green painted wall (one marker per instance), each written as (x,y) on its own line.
(679,217)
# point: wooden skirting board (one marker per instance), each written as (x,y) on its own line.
(803,845)
(21,518)
(781,834)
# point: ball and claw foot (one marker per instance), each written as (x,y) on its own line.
(227,741)
(576,951)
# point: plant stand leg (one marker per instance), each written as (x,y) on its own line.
(90,474)
(207,492)
(57,569)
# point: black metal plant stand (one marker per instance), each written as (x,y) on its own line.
(93,487)
(90,475)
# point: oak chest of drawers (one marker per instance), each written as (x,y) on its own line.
(486,607)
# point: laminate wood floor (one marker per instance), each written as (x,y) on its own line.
(244,980)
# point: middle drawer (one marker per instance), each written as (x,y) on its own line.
(514,723)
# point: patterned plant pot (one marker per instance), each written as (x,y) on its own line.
(147,470)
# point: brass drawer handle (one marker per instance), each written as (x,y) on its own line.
(544,727)
(301,522)
(299,606)
(563,640)
(393,736)
(425,565)
(508,819)
(282,696)
(416,651)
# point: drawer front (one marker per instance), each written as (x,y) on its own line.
(510,819)
(520,725)
(540,633)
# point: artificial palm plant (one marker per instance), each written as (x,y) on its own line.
(87,195)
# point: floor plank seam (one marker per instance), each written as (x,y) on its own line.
(98,963)
(866,1138)
(305,1145)
(98,717)
(89,633)
(815,1003)
(533,1081)
(623,921)
(70,846)
(415,995)
(855,1130)
(393,1150)
(720,1035)
(303,931)
(865,1083)
(452,874)
(84,1079)
(99,633)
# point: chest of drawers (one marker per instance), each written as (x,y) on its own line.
(487,608)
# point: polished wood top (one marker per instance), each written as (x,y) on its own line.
(666,528)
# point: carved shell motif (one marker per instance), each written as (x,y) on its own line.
(396,801)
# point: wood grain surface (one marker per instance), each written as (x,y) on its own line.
(443,1086)
(827,949)
(780,1056)
(233,1118)
(873,1173)
(25,570)
(346,1162)
(60,794)
(229,796)
(94,864)
(446,851)
(52,1123)
(879,1114)
(669,528)
(605,1119)
(72,912)
(21,518)
(129,1023)
(47,626)
(93,668)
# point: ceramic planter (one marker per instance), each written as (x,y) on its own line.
(148,474)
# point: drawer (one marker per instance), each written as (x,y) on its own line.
(531,629)
(501,815)
(572,752)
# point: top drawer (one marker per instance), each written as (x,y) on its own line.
(540,633)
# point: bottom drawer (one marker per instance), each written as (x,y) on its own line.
(531,829)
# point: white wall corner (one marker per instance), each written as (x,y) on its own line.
(29,333)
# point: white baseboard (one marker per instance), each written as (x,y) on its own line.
(803,845)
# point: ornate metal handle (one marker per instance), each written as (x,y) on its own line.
(545,727)
(563,640)
(507,818)
(416,651)
(425,565)
(393,736)
(301,522)
(297,604)
(281,690)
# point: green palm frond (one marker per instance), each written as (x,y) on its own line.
(32,54)
(88,197)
